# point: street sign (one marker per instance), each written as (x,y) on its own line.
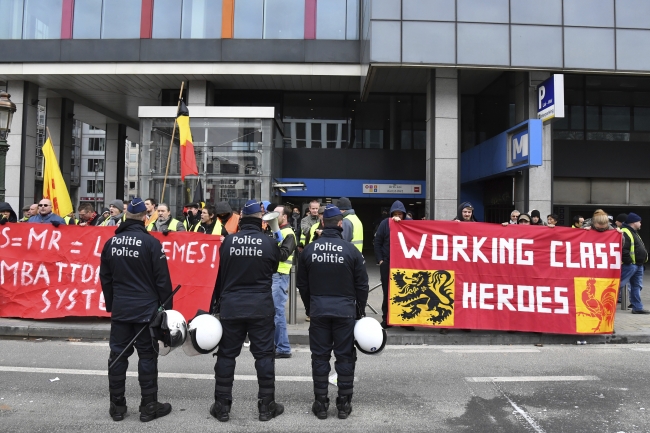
(518,148)
(391,188)
(550,98)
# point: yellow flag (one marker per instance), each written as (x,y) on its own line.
(53,184)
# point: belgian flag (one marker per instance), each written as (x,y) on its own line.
(188,159)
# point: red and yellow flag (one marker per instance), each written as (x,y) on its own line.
(53,184)
(188,159)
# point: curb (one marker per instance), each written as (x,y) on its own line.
(396,337)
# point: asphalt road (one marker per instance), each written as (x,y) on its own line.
(592,388)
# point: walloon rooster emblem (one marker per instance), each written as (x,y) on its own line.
(424,290)
(602,309)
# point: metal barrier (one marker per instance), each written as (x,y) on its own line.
(293,294)
(624,297)
(368,303)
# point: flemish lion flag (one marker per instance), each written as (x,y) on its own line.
(53,184)
(188,159)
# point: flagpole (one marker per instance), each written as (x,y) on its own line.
(171,144)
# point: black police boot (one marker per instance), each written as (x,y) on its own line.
(320,406)
(268,408)
(220,409)
(150,409)
(118,408)
(344,405)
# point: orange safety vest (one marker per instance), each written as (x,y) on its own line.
(232,226)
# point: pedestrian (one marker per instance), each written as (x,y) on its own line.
(165,223)
(523,219)
(294,221)
(210,224)
(280,287)
(316,229)
(382,255)
(115,208)
(152,213)
(578,221)
(352,225)
(634,257)
(193,216)
(226,217)
(87,215)
(620,220)
(600,222)
(333,285)
(552,220)
(7,214)
(45,214)
(135,282)
(514,217)
(465,213)
(243,298)
(308,221)
(536,218)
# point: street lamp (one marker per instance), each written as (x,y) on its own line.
(7,110)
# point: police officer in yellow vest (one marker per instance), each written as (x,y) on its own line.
(634,256)
(210,224)
(280,286)
(165,223)
(352,226)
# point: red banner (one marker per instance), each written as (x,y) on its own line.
(516,278)
(48,272)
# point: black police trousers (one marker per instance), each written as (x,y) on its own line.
(325,334)
(121,334)
(384,274)
(261,335)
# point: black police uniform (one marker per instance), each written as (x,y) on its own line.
(135,281)
(333,285)
(243,297)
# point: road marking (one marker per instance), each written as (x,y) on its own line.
(84,343)
(490,351)
(135,374)
(644,349)
(531,379)
(523,413)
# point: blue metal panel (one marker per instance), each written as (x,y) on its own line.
(490,158)
(348,188)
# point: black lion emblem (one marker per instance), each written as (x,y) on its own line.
(425,290)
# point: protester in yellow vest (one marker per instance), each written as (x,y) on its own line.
(210,224)
(165,223)
(633,255)
(117,215)
(352,226)
(280,283)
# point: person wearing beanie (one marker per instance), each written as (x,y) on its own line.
(620,219)
(226,217)
(634,256)
(116,209)
(243,297)
(352,225)
(536,218)
(333,284)
(382,255)
(135,281)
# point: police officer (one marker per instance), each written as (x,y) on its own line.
(242,295)
(333,285)
(135,281)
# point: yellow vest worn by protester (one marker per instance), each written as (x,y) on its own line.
(627,233)
(215,231)
(357,232)
(172,226)
(285,267)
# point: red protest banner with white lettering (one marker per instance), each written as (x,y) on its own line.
(515,278)
(48,272)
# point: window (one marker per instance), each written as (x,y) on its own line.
(330,19)
(42,19)
(121,19)
(90,187)
(96,144)
(94,128)
(249,19)
(284,19)
(11,19)
(87,21)
(132,171)
(133,145)
(131,185)
(91,165)
(133,157)
(167,19)
(201,19)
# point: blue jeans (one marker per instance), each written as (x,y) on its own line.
(633,274)
(280,295)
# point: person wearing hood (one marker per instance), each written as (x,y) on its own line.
(45,214)
(7,214)
(226,217)
(116,209)
(465,213)
(193,217)
(103,216)
(634,257)
(165,223)
(382,255)
(536,218)
(352,225)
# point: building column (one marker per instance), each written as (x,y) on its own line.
(20,171)
(443,144)
(114,162)
(59,114)
(200,92)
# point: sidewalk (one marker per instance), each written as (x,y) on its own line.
(630,328)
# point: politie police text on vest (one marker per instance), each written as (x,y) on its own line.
(246,246)
(326,252)
(124,250)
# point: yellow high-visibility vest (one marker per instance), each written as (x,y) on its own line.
(285,267)
(357,232)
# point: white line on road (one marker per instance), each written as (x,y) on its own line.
(523,413)
(531,379)
(84,343)
(134,374)
(640,349)
(490,351)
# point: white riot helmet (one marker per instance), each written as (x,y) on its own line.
(205,332)
(170,328)
(369,337)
